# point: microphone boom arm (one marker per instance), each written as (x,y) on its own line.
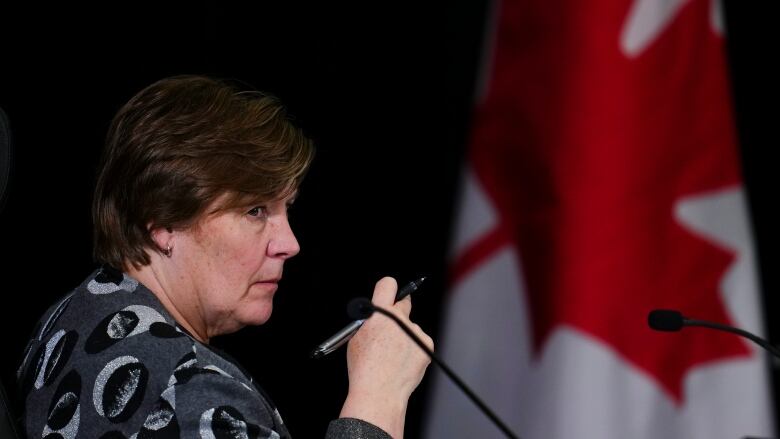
(712,325)
(474,398)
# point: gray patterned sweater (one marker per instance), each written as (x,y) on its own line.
(108,361)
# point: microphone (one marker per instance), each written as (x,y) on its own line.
(362,308)
(665,320)
(670,321)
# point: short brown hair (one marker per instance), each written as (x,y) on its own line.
(177,146)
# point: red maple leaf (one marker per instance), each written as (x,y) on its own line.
(585,152)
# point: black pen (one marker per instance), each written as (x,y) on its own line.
(343,336)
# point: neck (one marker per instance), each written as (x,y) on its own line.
(155,278)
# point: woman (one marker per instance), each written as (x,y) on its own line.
(191,227)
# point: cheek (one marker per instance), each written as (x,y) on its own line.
(241,258)
(234,254)
(248,254)
(226,245)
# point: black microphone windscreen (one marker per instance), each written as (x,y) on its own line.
(665,320)
(359,308)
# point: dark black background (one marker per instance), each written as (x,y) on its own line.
(385,91)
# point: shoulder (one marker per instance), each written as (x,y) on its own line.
(209,394)
(108,358)
(109,316)
(101,357)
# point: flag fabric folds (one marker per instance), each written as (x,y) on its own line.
(603,181)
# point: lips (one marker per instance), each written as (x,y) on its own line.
(269,281)
(266,283)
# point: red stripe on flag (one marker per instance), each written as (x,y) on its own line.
(478,252)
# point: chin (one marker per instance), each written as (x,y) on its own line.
(261,315)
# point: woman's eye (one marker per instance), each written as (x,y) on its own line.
(258,211)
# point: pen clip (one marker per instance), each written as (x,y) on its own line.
(337,340)
(333,347)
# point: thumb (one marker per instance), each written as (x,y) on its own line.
(384,292)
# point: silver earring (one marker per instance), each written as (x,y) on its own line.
(167,251)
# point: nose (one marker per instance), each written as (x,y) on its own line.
(283,243)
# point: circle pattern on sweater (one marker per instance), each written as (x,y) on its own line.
(119,388)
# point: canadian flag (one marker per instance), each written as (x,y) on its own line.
(603,181)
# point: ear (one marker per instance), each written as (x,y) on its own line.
(162,237)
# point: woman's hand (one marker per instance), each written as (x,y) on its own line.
(384,364)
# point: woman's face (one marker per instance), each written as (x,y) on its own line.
(232,262)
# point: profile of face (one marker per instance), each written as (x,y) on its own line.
(230,264)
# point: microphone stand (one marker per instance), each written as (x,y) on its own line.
(474,398)
(672,321)
(712,325)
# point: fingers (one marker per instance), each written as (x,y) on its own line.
(422,335)
(384,364)
(404,305)
(384,292)
(384,296)
(426,339)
